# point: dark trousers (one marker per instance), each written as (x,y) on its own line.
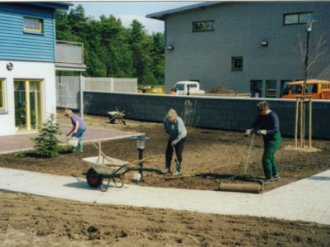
(178,150)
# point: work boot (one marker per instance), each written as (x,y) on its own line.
(177,173)
(267,181)
(167,170)
(178,169)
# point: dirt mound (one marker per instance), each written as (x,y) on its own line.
(221,90)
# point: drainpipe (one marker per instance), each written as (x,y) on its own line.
(81,94)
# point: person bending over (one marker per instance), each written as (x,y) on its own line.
(174,126)
(78,129)
(267,124)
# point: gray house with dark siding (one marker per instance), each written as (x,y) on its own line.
(246,46)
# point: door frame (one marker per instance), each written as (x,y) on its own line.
(28,103)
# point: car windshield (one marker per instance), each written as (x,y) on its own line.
(179,87)
(296,89)
(286,89)
(311,88)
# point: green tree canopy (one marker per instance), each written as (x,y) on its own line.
(112,50)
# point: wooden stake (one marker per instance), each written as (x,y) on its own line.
(100,152)
(296,124)
(310,123)
(301,123)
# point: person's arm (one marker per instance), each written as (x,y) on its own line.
(75,128)
(275,125)
(181,130)
(256,124)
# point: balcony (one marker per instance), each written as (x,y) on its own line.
(69,56)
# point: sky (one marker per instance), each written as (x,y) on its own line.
(128,11)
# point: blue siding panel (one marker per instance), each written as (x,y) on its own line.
(17,45)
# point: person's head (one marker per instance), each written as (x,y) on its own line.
(263,107)
(68,113)
(172,116)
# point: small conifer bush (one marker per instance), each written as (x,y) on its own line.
(47,144)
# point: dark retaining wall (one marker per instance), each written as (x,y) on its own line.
(225,113)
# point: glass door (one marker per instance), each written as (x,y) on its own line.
(35,105)
(27,105)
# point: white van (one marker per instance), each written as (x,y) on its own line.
(187,88)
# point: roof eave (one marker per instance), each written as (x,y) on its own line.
(163,14)
(53,5)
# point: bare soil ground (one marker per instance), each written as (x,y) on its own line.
(38,221)
(208,155)
(44,221)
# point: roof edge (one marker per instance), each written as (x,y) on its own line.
(162,14)
(53,5)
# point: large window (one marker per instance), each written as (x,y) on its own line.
(33,25)
(236,63)
(2,95)
(271,88)
(297,18)
(203,26)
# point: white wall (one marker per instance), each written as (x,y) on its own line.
(26,70)
(110,84)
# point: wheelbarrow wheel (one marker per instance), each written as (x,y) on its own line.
(93,179)
(118,182)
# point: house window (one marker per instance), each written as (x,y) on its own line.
(236,63)
(203,26)
(297,18)
(271,88)
(2,95)
(256,88)
(33,25)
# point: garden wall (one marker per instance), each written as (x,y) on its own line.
(225,113)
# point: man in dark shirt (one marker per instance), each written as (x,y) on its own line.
(267,124)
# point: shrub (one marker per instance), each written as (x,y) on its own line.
(20,155)
(47,144)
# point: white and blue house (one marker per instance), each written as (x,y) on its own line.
(28,63)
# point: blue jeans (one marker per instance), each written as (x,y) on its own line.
(79,135)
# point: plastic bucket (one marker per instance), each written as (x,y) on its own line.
(73,141)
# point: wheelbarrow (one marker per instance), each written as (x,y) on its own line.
(116,115)
(102,168)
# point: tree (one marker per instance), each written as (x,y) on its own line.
(110,49)
(47,144)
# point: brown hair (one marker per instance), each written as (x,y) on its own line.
(262,106)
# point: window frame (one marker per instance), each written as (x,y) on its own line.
(199,31)
(3,95)
(274,90)
(298,14)
(40,29)
(233,68)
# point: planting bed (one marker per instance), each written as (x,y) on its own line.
(36,221)
(209,154)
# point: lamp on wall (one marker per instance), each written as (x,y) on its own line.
(170,47)
(264,43)
(9,66)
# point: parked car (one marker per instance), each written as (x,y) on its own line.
(187,88)
(317,89)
